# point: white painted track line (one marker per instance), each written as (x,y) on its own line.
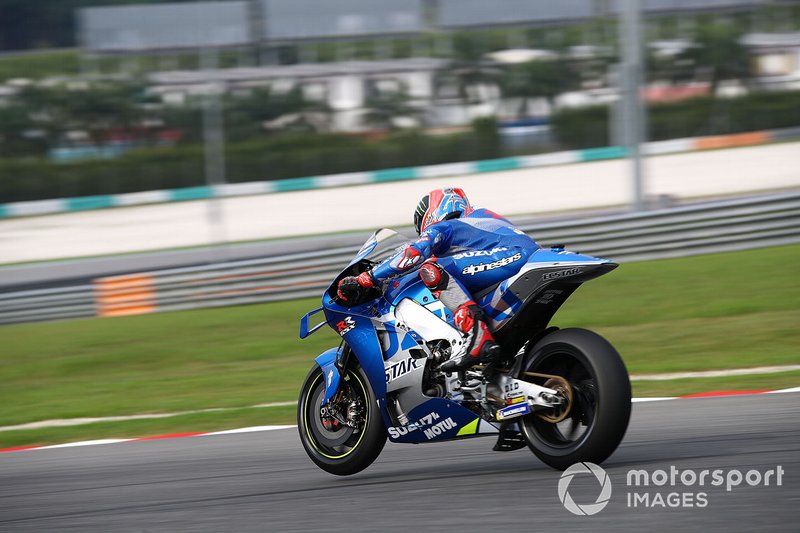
(255,429)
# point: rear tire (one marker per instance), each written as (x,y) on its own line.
(601,404)
(340,450)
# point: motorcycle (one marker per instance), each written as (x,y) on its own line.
(563,392)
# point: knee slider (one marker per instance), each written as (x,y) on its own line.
(434,276)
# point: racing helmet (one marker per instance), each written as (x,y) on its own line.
(440,204)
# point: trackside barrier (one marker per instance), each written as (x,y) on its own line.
(61,205)
(718,226)
(125,295)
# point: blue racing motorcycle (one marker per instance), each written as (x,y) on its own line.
(563,392)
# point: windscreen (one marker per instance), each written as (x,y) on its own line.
(380,245)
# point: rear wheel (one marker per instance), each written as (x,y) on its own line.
(599,407)
(346,435)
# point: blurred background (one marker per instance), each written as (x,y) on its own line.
(193,157)
(108,97)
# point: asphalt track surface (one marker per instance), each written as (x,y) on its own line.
(265,482)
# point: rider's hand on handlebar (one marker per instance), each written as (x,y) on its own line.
(352,288)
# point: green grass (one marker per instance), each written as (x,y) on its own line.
(681,387)
(40,65)
(707,312)
(66,62)
(228,357)
(198,422)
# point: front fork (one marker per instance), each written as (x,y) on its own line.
(333,362)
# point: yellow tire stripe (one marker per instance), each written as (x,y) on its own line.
(361,436)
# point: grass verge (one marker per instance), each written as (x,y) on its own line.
(199,422)
(40,65)
(682,387)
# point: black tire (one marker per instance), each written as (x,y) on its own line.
(601,404)
(343,451)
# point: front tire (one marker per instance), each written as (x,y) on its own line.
(601,405)
(336,448)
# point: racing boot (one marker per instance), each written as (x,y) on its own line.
(479,346)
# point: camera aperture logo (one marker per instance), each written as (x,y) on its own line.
(587,509)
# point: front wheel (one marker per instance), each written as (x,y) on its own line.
(346,435)
(594,422)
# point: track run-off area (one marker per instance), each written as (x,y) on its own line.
(579,186)
(263,481)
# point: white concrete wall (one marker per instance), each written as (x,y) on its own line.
(526,191)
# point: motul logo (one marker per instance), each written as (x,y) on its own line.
(438,429)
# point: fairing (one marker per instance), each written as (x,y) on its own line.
(388,335)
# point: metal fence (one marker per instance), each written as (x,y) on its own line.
(718,226)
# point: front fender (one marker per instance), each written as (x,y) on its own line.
(327,362)
(359,333)
(367,351)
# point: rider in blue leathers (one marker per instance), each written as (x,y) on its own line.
(460,251)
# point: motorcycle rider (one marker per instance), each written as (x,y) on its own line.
(460,251)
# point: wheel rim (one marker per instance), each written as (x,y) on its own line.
(329,441)
(567,434)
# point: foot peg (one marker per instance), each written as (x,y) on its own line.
(489,353)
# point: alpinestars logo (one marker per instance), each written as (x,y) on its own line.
(410,258)
(481,267)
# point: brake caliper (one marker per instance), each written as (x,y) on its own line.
(328,417)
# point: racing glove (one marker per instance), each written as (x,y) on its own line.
(352,288)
